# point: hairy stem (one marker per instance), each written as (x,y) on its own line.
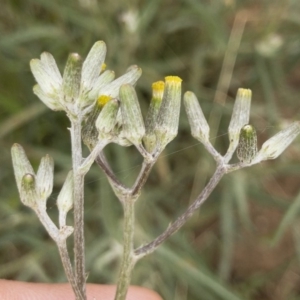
(78,207)
(103,164)
(142,177)
(64,255)
(128,259)
(47,223)
(62,247)
(149,248)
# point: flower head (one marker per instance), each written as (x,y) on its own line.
(239,118)
(166,127)
(274,146)
(247,147)
(34,189)
(81,84)
(198,123)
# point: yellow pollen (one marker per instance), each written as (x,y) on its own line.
(173,79)
(158,90)
(102,100)
(103,67)
(244,93)
(158,86)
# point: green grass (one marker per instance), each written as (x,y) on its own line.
(244,243)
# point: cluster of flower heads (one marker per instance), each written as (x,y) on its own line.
(81,83)
(111,110)
(108,106)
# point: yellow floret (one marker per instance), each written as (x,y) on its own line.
(158,90)
(158,86)
(102,100)
(245,93)
(103,67)
(173,79)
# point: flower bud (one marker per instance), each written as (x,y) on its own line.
(130,77)
(133,123)
(28,193)
(107,119)
(120,137)
(103,80)
(239,118)
(168,117)
(274,146)
(21,164)
(91,69)
(89,130)
(72,77)
(247,147)
(44,178)
(51,101)
(65,198)
(198,123)
(46,73)
(151,118)
(240,114)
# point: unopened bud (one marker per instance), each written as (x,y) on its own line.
(65,198)
(133,123)
(130,77)
(104,79)
(72,78)
(91,69)
(151,118)
(89,130)
(21,164)
(28,193)
(239,118)
(274,146)
(52,101)
(107,119)
(46,73)
(198,123)
(168,117)
(247,147)
(44,178)
(240,114)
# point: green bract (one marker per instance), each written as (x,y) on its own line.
(247,147)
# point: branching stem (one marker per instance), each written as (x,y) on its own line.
(103,164)
(142,178)
(62,247)
(149,248)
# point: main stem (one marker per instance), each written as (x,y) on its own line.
(128,259)
(64,255)
(78,206)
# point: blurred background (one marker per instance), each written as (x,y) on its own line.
(244,243)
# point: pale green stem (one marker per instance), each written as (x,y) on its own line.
(62,247)
(128,259)
(78,206)
(174,227)
(64,255)
(142,177)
